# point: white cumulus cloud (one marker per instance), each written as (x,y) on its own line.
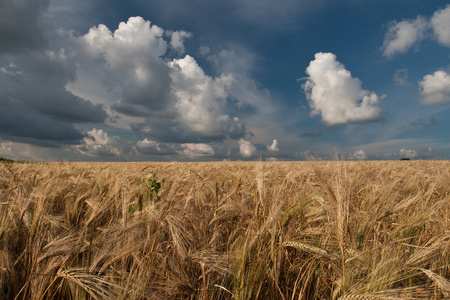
(192,150)
(360,155)
(336,95)
(5,148)
(22,151)
(133,68)
(147,146)
(177,40)
(99,143)
(401,36)
(129,46)
(440,23)
(246,148)
(273,147)
(409,153)
(435,88)
(201,99)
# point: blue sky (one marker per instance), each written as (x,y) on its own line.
(179,80)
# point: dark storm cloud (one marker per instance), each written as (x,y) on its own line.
(171,131)
(130,109)
(39,82)
(162,131)
(149,98)
(167,131)
(21,27)
(35,103)
(18,121)
(153,95)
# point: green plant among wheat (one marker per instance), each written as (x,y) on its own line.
(148,190)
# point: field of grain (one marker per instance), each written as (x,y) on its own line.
(225,230)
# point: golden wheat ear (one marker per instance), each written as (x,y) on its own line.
(311,249)
(442,283)
(367,297)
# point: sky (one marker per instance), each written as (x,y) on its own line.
(199,80)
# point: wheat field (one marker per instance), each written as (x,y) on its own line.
(225,230)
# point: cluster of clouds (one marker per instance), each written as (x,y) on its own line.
(404,152)
(403,35)
(98,143)
(177,104)
(149,85)
(157,98)
(339,98)
(407,34)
